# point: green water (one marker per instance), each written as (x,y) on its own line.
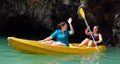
(10,56)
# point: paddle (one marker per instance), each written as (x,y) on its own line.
(81,11)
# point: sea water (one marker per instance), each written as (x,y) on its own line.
(10,56)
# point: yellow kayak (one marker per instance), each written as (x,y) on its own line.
(34,47)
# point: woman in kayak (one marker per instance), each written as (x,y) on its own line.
(60,35)
(89,41)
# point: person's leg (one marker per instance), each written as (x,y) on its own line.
(59,44)
(47,42)
(84,42)
(91,43)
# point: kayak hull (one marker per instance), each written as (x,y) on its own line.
(35,47)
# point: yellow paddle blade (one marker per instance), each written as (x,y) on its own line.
(81,11)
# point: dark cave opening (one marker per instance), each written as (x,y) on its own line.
(22,26)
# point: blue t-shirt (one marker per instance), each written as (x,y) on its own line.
(61,37)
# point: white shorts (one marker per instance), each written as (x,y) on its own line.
(57,43)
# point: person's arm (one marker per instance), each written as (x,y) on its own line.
(47,39)
(87,31)
(100,39)
(71,27)
(53,35)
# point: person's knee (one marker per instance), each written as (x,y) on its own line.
(86,39)
(90,42)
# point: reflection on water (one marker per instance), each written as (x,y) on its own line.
(10,56)
(75,59)
(91,58)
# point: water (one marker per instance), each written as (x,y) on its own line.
(10,56)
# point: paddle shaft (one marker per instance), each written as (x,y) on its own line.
(91,34)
